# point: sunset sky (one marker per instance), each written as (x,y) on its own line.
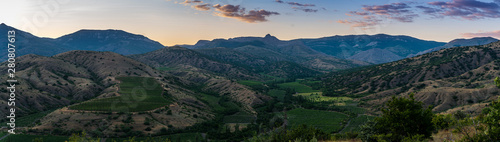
(187,21)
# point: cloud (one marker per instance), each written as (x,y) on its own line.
(367,22)
(482,34)
(231,11)
(305,9)
(300,6)
(388,9)
(192,1)
(236,12)
(429,10)
(371,15)
(202,7)
(468,9)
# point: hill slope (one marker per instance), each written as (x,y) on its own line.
(461,42)
(446,79)
(272,49)
(346,47)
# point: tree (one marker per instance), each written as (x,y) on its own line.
(490,130)
(82,138)
(497,82)
(403,118)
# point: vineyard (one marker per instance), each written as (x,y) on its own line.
(136,94)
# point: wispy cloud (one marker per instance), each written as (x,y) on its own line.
(300,6)
(407,11)
(367,22)
(467,9)
(231,11)
(192,1)
(202,7)
(234,11)
(371,15)
(495,34)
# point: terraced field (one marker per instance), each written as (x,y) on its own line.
(136,94)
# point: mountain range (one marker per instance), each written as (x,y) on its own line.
(234,78)
(454,77)
(117,41)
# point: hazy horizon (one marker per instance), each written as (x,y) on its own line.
(174,22)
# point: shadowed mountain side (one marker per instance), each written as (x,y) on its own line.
(345,47)
(434,77)
(461,42)
(117,41)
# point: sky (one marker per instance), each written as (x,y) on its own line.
(173,22)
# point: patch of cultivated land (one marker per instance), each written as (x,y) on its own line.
(300,88)
(29,138)
(355,123)
(136,94)
(327,121)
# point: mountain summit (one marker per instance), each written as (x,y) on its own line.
(117,41)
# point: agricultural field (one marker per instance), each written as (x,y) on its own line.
(212,101)
(355,123)
(279,94)
(318,97)
(256,85)
(136,94)
(300,88)
(239,117)
(29,120)
(325,120)
(30,138)
(182,137)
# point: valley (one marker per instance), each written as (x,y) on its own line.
(244,88)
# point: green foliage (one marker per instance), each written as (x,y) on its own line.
(136,94)
(324,120)
(31,119)
(299,133)
(278,94)
(401,118)
(443,121)
(356,123)
(82,138)
(497,81)
(490,128)
(30,138)
(301,88)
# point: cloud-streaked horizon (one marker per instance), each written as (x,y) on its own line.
(232,11)
(495,34)
(406,12)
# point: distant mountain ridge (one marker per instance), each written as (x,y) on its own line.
(272,49)
(361,47)
(117,41)
(461,42)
